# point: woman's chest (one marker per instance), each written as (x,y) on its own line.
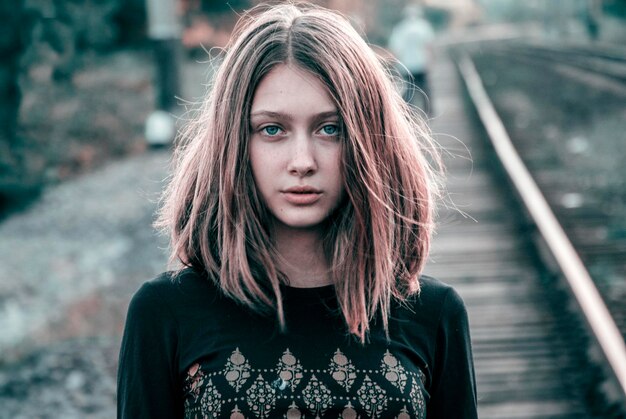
(279,378)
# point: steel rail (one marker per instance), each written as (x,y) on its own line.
(607,67)
(599,50)
(594,309)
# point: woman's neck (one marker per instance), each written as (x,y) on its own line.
(302,257)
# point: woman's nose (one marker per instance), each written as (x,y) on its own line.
(302,161)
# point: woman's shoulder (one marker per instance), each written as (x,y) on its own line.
(444,300)
(437,291)
(433,285)
(435,300)
(174,289)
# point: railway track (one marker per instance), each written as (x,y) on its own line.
(530,340)
(582,176)
(603,60)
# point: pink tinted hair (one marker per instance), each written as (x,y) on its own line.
(376,243)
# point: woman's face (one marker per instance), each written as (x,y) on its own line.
(295,148)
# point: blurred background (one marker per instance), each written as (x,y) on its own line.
(91,91)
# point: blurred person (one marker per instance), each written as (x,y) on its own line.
(300,213)
(410,42)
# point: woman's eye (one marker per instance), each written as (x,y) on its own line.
(271,130)
(330,129)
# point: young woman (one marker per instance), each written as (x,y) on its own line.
(301,210)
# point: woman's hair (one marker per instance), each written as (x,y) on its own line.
(376,242)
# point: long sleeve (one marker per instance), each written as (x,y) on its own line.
(147,382)
(453,392)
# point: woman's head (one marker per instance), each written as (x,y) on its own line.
(377,241)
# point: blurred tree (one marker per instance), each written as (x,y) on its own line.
(131,20)
(615,7)
(72,27)
(221,6)
(55,34)
(12,45)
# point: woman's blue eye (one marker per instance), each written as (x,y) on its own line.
(330,129)
(271,130)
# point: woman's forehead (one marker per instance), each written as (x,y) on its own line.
(289,89)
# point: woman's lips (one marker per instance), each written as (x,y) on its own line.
(302,195)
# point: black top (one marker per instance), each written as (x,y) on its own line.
(190,352)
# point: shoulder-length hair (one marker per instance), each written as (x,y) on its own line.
(376,243)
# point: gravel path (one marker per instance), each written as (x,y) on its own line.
(70,263)
(68,266)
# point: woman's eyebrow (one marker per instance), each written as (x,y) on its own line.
(325,115)
(271,114)
(290,117)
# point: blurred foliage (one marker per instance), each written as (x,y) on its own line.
(615,7)
(48,53)
(221,6)
(12,44)
(131,19)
